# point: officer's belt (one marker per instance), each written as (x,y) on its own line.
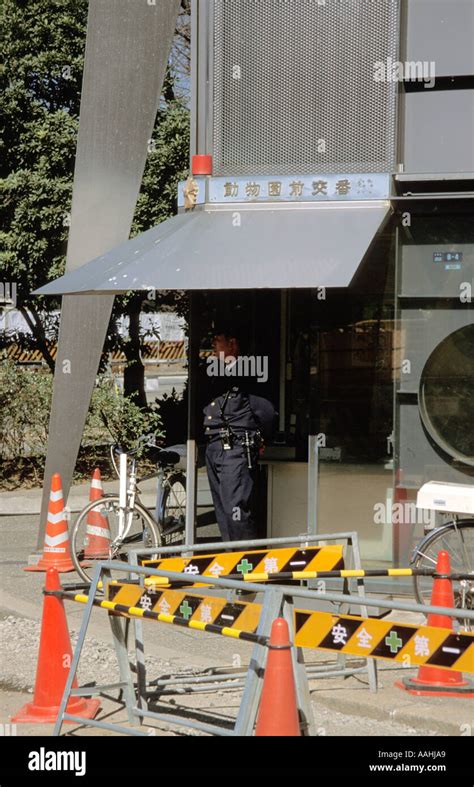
(237,434)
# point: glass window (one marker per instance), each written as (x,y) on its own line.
(340,389)
(446,397)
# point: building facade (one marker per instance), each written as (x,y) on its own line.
(322,112)
(329,213)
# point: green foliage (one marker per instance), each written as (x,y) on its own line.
(125,421)
(25,402)
(24,411)
(167,164)
(41,78)
(43,45)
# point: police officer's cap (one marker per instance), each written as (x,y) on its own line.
(223,328)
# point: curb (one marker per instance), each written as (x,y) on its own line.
(421,716)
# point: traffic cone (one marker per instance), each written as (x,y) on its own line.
(54,661)
(436,681)
(278,713)
(97,544)
(56,552)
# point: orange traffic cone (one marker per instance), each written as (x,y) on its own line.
(98,531)
(56,552)
(54,661)
(436,681)
(278,713)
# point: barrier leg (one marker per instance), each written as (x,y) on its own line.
(303,696)
(141,666)
(341,659)
(371,663)
(77,653)
(120,644)
(248,710)
(139,640)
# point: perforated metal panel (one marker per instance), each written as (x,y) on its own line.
(294,89)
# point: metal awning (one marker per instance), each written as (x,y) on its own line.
(242,247)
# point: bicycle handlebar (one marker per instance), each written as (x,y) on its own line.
(144,440)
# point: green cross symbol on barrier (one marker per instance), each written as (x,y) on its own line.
(185,610)
(393,642)
(245,567)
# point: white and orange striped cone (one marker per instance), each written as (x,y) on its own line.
(56,552)
(97,544)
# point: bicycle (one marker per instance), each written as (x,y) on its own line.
(106,527)
(457,538)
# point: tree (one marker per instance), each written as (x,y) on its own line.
(40,82)
(44,46)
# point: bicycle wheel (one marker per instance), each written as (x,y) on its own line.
(95,535)
(457,538)
(172,509)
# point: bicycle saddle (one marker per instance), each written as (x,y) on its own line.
(180,451)
(177,456)
(164,456)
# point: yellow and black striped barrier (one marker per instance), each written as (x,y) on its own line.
(349,634)
(305,575)
(347,573)
(202,606)
(351,573)
(166,582)
(265,563)
(203,609)
(385,639)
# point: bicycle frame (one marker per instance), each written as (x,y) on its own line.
(126,496)
(467,557)
(464,593)
(128,492)
(466,586)
(418,549)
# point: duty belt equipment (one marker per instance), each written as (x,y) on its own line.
(228,436)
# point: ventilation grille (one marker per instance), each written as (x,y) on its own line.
(294,89)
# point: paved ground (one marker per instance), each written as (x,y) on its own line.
(341,707)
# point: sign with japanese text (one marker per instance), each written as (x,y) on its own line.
(202,609)
(385,639)
(263,561)
(316,188)
(305,188)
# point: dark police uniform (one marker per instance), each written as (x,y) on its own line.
(235,424)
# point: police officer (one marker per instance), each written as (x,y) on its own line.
(235,424)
